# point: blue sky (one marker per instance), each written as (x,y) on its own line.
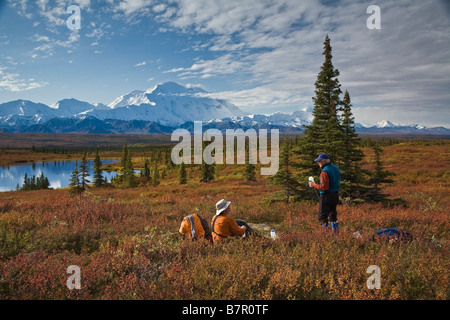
(262,55)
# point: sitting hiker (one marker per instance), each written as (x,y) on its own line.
(196,227)
(223,225)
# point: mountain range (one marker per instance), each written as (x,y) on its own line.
(160,111)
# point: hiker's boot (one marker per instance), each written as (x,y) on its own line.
(335,226)
(324,227)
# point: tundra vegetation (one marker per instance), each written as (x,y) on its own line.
(125,239)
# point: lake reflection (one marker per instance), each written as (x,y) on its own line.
(57,172)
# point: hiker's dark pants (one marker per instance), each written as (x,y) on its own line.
(327,207)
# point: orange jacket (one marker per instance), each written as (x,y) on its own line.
(185,227)
(225,226)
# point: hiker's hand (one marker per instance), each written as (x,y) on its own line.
(244,227)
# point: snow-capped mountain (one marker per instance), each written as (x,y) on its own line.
(71,107)
(135,97)
(23,112)
(169,104)
(296,119)
(386,124)
(389,127)
(160,110)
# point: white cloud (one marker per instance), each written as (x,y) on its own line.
(278,45)
(38,38)
(54,12)
(159,8)
(14,83)
(50,45)
(84,4)
(132,6)
(140,64)
(226,64)
(21,6)
(231,16)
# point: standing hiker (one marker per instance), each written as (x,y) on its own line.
(223,225)
(328,186)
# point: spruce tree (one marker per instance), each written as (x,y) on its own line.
(379,175)
(325,134)
(146,171)
(129,179)
(26,182)
(249,169)
(33,183)
(352,175)
(123,157)
(182,174)
(155,176)
(41,182)
(75,185)
(84,172)
(284,175)
(98,173)
(207,171)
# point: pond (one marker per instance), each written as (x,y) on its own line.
(57,172)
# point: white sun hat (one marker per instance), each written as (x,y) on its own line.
(221,206)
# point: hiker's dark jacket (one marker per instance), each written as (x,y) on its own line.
(330,179)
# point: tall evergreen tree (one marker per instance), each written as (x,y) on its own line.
(124,156)
(42,182)
(325,134)
(249,169)
(207,171)
(129,179)
(98,172)
(146,172)
(75,185)
(379,175)
(182,179)
(352,175)
(26,183)
(155,176)
(84,172)
(284,175)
